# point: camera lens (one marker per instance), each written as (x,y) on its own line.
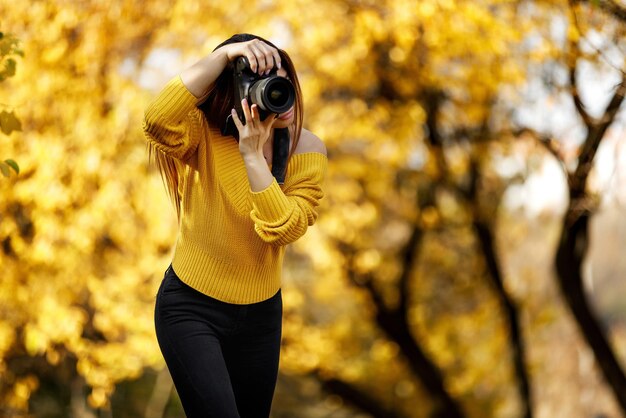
(277,96)
(274,94)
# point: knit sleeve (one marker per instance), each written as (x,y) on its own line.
(281,216)
(171,122)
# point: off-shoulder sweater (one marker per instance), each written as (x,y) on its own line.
(231,240)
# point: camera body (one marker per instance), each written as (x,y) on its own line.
(271,93)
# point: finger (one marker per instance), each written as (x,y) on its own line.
(260,57)
(270,117)
(246,112)
(256,116)
(252,61)
(277,60)
(271,63)
(269,120)
(254,110)
(236,120)
(270,55)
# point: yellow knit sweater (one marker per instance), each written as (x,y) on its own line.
(231,240)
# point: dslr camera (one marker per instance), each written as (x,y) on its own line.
(271,93)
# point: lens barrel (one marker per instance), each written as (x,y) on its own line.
(274,94)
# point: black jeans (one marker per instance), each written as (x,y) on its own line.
(223,358)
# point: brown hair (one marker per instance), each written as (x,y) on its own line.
(216,108)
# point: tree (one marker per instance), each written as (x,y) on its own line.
(80,236)
(9,48)
(398,301)
(574,240)
(382,198)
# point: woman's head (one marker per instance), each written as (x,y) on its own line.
(221,97)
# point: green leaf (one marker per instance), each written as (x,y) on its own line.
(13,165)
(5,47)
(8,46)
(9,122)
(5,169)
(9,68)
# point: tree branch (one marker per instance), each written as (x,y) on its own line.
(356,397)
(409,253)
(610,7)
(394,323)
(518,347)
(486,240)
(594,137)
(547,142)
(484,233)
(578,103)
(602,54)
(596,128)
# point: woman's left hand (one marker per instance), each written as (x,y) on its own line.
(255,133)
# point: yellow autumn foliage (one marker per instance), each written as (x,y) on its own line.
(86,229)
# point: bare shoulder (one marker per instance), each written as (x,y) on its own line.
(309,142)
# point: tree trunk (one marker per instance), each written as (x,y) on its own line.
(571,251)
(511,315)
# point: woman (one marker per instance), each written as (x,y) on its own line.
(219,309)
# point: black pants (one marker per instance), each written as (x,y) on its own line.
(223,358)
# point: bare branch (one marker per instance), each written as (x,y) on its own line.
(511,311)
(423,198)
(409,260)
(613,107)
(356,397)
(610,7)
(394,324)
(572,63)
(594,137)
(483,229)
(580,106)
(552,146)
(598,51)
(363,281)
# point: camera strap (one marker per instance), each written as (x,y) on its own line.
(229,128)
(280,154)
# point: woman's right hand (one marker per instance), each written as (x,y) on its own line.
(200,76)
(261,56)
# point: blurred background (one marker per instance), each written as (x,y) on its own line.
(468,260)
